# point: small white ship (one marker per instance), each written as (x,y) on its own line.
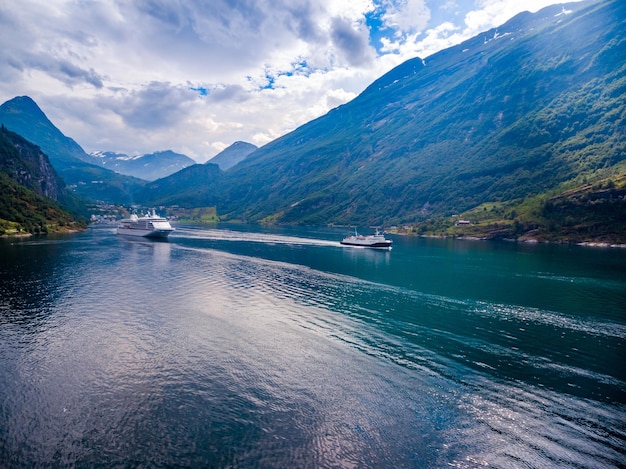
(150,225)
(376,240)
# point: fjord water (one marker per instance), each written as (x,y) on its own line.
(277,347)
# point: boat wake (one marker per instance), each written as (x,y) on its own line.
(237,236)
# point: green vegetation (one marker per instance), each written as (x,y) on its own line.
(190,187)
(22,211)
(29,188)
(593,213)
(522,133)
(200,214)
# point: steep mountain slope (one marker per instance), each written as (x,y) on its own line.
(149,167)
(232,155)
(30,190)
(28,166)
(516,111)
(23,116)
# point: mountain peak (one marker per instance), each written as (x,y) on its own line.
(23,105)
(23,116)
(232,155)
(23,101)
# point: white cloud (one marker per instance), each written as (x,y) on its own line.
(491,13)
(406,16)
(351,42)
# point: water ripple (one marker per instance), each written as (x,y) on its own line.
(133,353)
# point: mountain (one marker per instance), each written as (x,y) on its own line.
(232,155)
(149,167)
(517,111)
(24,117)
(30,190)
(190,187)
(523,111)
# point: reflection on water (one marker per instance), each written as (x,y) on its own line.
(280,348)
(158,250)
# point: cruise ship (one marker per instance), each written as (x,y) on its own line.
(376,240)
(150,225)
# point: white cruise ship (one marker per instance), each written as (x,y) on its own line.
(150,225)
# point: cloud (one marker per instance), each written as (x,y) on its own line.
(431,41)
(154,106)
(63,70)
(491,13)
(406,16)
(301,20)
(227,93)
(54,52)
(352,43)
(450,5)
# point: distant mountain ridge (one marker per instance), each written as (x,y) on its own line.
(193,186)
(23,116)
(149,166)
(232,155)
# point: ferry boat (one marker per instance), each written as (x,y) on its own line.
(376,240)
(150,225)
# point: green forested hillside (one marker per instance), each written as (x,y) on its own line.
(30,190)
(586,213)
(24,211)
(523,112)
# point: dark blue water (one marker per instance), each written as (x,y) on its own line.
(277,347)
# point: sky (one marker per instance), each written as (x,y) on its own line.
(195,76)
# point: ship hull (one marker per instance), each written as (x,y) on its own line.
(144,233)
(378,245)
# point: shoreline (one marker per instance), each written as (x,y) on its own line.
(593,244)
(26,235)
